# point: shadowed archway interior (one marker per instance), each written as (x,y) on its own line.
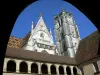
(53,69)
(11,66)
(23,67)
(74,71)
(34,68)
(68,70)
(44,69)
(61,70)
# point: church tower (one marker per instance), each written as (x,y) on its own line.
(66,34)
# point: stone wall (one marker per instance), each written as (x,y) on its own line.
(89,69)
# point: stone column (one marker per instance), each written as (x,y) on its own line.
(39,68)
(78,71)
(29,66)
(49,71)
(71,67)
(64,66)
(57,69)
(18,66)
(5,66)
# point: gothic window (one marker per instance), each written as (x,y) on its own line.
(62,35)
(64,47)
(75,44)
(41,46)
(38,45)
(51,48)
(42,35)
(46,46)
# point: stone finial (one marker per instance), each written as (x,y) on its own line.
(50,30)
(54,16)
(32,24)
(40,14)
(62,9)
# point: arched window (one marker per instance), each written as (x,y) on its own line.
(44,69)
(34,68)
(23,67)
(53,69)
(74,71)
(61,70)
(68,70)
(11,66)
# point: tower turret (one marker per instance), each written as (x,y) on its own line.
(66,32)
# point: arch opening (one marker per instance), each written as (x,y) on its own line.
(61,70)
(74,71)
(23,67)
(53,69)
(68,70)
(34,68)
(44,69)
(11,66)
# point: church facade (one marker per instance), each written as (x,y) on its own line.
(36,53)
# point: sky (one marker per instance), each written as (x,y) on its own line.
(49,8)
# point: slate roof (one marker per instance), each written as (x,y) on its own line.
(88,48)
(37,56)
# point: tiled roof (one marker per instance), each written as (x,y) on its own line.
(88,48)
(17,42)
(25,39)
(14,42)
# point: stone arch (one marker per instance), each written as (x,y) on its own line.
(68,70)
(74,71)
(34,68)
(53,69)
(23,67)
(44,69)
(61,70)
(11,66)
